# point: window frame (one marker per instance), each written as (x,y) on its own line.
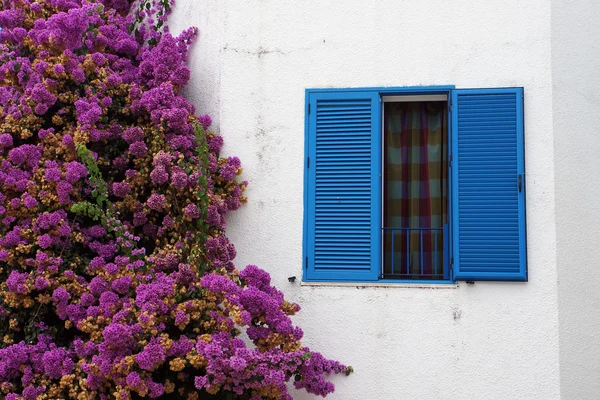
(450,91)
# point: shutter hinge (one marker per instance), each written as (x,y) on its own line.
(306,263)
(452,263)
(307,162)
(451,157)
(309,108)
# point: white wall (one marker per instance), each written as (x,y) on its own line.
(576,109)
(251,65)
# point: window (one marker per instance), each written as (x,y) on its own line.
(414,184)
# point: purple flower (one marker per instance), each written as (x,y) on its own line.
(133,134)
(98,285)
(63,189)
(96,263)
(106,102)
(156,202)
(201,382)
(6,140)
(52,174)
(229,170)
(121,189)
(75,171)
(181,77)
(41,95)
(67,140)
(29,202)
(64,230)
(121,285)
(16,282)
(191,210)
(205,121)
(118,335)
(139,218)
(138,149)
(88,112)
(41,283)
(181,318)
(159,175)
(87,299)
(215,144)
(127,46)
(17,156)
(108,299)
(99,59)
(168,221)
(238,363)
(133,379)
(56,363)
(179,180)
(45,241)
(162,158)
(60,296)
(151,357)
(120,163)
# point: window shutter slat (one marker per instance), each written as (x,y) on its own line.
(488,189)
(342,189)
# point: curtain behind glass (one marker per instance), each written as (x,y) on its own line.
(415,168)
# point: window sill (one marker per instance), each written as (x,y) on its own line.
(390,284)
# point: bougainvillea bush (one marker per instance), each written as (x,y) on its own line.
(116,277)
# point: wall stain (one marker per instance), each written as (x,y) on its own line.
(456,314)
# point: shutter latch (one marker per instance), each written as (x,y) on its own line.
(520,182)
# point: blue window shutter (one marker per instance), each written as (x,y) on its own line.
(488,187)
(342,235)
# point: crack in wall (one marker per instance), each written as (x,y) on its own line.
(261,51)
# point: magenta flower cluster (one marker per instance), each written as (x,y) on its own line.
(117,280)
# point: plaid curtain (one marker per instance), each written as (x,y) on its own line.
(415,198)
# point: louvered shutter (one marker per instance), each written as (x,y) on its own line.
(488,187)
(343,191)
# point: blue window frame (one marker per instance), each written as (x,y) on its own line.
(343,228)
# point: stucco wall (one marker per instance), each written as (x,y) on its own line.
(252,63)
(576,109)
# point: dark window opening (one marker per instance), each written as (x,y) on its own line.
(415,186)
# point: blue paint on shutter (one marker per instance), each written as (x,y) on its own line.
(488,188)
(342,234)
